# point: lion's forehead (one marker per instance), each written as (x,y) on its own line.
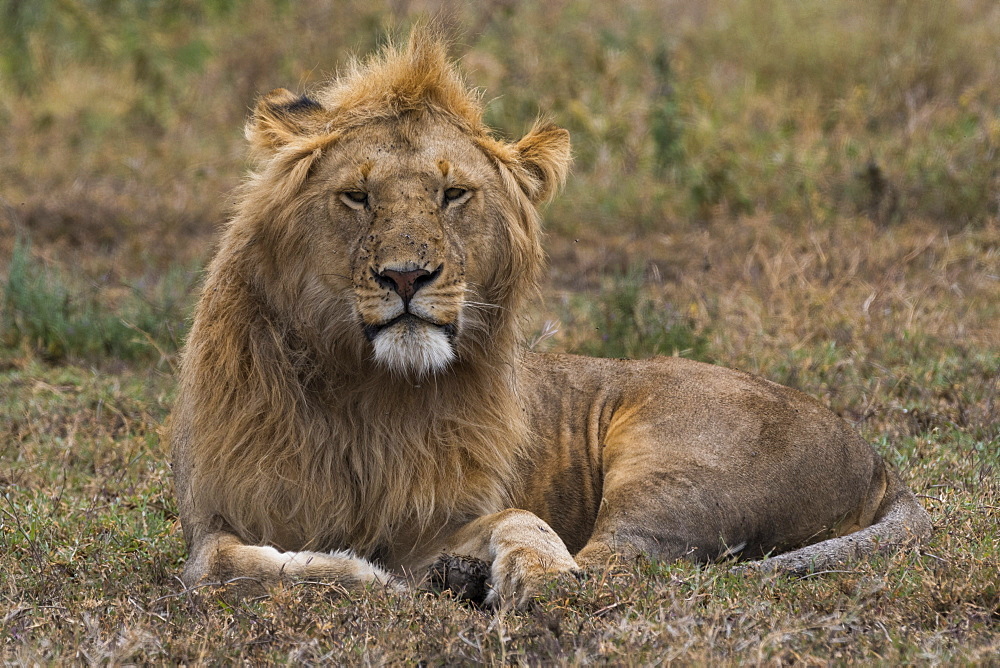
(427,154)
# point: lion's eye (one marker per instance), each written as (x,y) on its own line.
(455,195)
(356,199)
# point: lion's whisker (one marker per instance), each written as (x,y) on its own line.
(484,306)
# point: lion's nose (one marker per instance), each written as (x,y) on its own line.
(405,283)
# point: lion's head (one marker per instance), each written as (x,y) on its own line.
(388,213)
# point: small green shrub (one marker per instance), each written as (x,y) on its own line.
(43,311)
(627,322)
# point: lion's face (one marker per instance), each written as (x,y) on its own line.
(412,236)
(408,227)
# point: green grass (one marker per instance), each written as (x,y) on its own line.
(803,190)
(626,320)
(46,312)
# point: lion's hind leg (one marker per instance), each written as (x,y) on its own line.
(900,521)
(656,515)
(223,558)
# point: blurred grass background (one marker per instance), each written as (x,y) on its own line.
(122,127)
(805,189)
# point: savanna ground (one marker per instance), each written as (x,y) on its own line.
(804,190)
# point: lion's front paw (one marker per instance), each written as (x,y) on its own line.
(521,575)
(465,577)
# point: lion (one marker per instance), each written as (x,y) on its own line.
(357,404)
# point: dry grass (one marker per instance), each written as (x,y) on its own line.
(805,190)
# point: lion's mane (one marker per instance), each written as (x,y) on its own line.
(290,430)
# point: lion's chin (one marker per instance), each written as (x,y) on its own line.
(413,347)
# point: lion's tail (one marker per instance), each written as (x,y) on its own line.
(899,521)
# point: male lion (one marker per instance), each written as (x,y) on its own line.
(355,399)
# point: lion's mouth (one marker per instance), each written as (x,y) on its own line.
(409,321)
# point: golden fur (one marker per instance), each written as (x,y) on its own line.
(354,391)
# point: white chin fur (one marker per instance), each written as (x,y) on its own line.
(413,349)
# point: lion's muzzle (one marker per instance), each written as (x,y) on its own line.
(414,329)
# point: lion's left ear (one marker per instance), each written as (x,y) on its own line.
(280,117)
(544,157)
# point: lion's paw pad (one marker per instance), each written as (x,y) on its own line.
(467,578)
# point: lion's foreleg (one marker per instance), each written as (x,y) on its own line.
(523,553)
(222,557)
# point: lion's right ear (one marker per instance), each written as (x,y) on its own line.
(280,117)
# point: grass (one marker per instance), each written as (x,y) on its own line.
(627,321)
(803,190)
(42,313)
(90,549)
